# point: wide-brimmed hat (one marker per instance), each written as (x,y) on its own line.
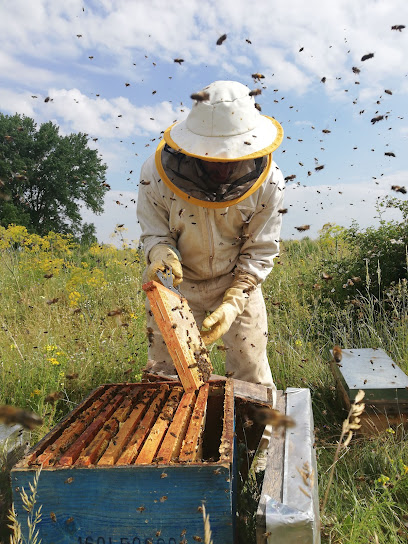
(225,126)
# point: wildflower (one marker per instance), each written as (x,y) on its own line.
(298,343)
(383,480)
(390,431)
(35,392)
(74,298)
(53,361)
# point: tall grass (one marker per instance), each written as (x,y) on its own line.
(73,318)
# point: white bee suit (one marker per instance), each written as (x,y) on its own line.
(224,227)
(214,244)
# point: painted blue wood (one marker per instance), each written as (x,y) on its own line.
(130,504)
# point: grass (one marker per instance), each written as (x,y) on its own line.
(72,319)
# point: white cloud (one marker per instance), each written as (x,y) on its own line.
(339,204)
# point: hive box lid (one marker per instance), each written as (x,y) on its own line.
(373,371)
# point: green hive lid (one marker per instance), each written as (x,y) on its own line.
(374,372)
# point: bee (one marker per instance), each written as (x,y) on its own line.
(179,61)
(323,80)
(145,182)
(10,415)
(200,96)
(356,70)
(270,416)
(247,143)
(141,509)
(376,119)
(90,57)
(79,35)
(388,91)
(52,301)
(283,210)
(47,99)
(221,39)
(326,276)
(291,177)
(399,189)
(150,335)
(72,376)
(248,41)
(257,75)
(398,27)
(69,480)
(389,154)
(48,276)
(127,84)
(53,517)
(257,106)
(337,353)
(158,533)
(248,423)
(70,520)
(54,397)
(197,538)
(302,228)
(112,313)
(255,92)
(368,56)
(164,498)
(317,168)
(326,131)
(163,475)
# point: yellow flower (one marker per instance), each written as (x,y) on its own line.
(53,361)
(36,392)
(298,343)
(390,431)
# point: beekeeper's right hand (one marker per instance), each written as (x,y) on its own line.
(162,257)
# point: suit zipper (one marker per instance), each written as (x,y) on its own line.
(211,241)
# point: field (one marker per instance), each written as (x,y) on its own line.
(72,318)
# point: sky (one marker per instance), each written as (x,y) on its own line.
(108,68)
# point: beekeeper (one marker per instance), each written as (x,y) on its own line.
(208,207)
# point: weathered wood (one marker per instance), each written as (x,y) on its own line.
(132,449)
(73,452)
(181,335)
(227,437)
(159,429)
(173,440)
(50,437)
(129,504)
(191,449)
(122,501)
(273,478)
(242,389)
(126,431)
(54,449)
(99,444)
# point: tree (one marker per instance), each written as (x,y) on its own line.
(45,178)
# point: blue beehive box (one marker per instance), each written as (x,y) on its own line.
(134,463)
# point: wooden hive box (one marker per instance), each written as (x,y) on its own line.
(384,383)
(133,463)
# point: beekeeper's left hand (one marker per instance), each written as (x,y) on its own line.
(233,304)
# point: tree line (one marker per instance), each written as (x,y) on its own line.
(45,178)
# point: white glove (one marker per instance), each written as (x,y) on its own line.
(233,304)
(162,257)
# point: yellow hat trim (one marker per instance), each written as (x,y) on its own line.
(205,203)
(262,152)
